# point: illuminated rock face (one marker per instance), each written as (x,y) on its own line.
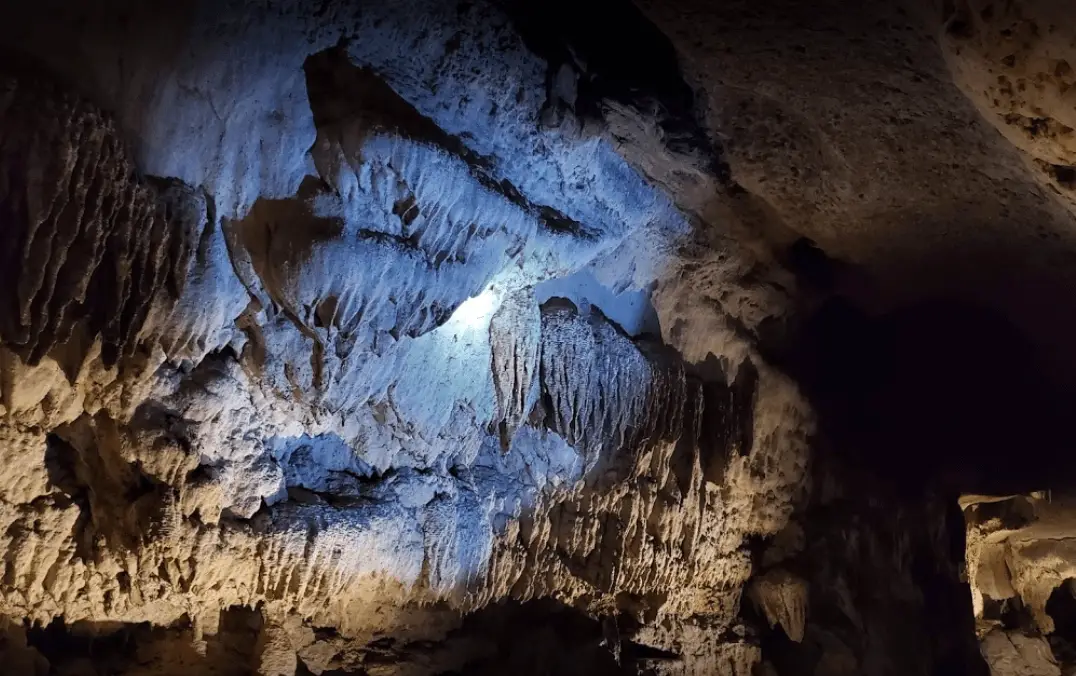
(424,338)
(377,356)
(1020,566)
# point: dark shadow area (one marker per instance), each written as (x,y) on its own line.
(1061,606)
(107,646)
(533,638)
(633,64)
(940,393)
(918,402)
(112,648)
(885,594)
(547,637)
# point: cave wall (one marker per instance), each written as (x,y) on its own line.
(427,337)
(282,392)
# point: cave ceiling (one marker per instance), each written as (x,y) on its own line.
(486,337)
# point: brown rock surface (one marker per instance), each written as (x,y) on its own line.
(422,337)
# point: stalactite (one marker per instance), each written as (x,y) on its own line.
(89,240)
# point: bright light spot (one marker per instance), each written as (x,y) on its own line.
(475,311)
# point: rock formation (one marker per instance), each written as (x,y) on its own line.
(517,337)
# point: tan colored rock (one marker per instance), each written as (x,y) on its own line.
(1013,654)
(782,598)
(302,385)
(1015,61)
(276,654)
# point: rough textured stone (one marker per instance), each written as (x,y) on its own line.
(426,337)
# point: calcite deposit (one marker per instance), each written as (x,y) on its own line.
(495,337)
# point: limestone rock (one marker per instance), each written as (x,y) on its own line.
(1018,655)
(429,337)
(782,597)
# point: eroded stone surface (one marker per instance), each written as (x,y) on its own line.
(429,337)
(345,403)
(1019,563)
